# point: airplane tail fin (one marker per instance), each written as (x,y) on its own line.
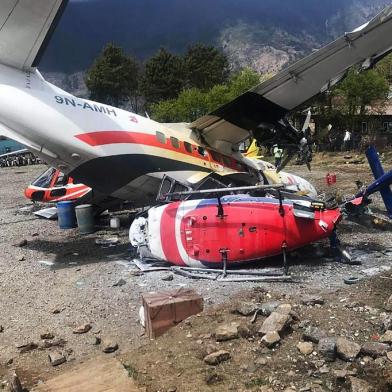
(26,27)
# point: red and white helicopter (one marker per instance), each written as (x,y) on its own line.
(53,186)
(126,156)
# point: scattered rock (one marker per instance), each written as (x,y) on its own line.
(1,329)
(217,357)
(119,283)
(47,336)
(226,332)
(346,349)
(96,340)
(311,300)
(387,337)
(109,346)
(374,349)
(386,321)
(389,356)
(358,385)
(244,331)
(324,369)
(261,361)
(305,348)
(14,383)
(53,343)
(82,329)
(246,308)
(304,324)
(327,349)
(313,334)
(275,322)
(284,309)
(380,361)
(213,378)
(340,374)
(266,308)
(56,359)
(21,258)
(270,339)
(167,277)
(26,347)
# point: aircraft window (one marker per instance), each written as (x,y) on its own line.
(179,188)
(188,147)
(166,186)
(43,181)
(174,142)
(161,137)
(62,180)
(202,151)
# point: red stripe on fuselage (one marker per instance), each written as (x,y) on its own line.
(121,137)
(168,234)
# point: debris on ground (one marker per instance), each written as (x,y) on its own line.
(84,328)
(56,358)
(74,282)
(165,309)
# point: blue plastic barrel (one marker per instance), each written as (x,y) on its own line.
(85,218)
(66,214)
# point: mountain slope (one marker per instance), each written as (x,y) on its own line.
(266,35)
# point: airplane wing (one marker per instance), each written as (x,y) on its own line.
(25,29)
(271,101)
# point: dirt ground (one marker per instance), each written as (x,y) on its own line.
(60,280)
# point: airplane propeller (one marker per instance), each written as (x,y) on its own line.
(302,149)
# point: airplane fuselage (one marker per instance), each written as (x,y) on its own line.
(117,153)
(114,151)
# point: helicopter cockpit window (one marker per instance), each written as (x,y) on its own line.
(43,181)
(62,180)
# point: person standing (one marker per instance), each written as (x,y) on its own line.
(278,154)
(347,140)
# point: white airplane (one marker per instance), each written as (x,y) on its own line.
(124,155)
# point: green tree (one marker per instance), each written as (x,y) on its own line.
(113,77)
(205,67)
(163,77)
(361,90)
(384,68)
(194,103)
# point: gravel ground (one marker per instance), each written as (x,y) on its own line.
(65,280)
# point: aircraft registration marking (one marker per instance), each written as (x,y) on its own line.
(84,105)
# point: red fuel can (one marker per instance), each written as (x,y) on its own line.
(330,179)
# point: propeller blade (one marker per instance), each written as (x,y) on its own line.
(285,161)
(307,121)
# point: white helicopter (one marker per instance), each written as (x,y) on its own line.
(125,156)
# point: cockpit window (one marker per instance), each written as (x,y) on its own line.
(62,180)
(43,181)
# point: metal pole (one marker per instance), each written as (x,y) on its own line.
(223,190)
